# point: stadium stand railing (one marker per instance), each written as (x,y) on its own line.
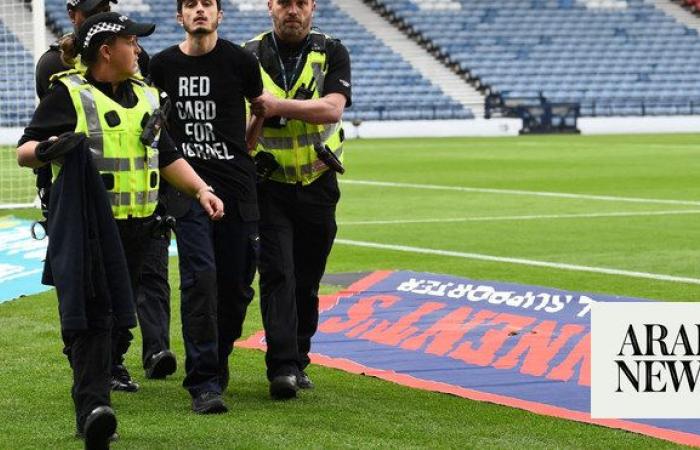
(385,86)
(612,57)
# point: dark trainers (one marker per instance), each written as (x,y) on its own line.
(304,382)
(113,438)
(208,403)
(283,387)
(122,381)
(99,427)
(161,365)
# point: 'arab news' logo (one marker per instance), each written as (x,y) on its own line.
(656,359)
(645,360)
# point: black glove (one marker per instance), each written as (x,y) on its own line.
(47,151)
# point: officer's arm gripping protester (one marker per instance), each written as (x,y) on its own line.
(306,75)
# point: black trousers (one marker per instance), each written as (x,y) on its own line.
(91,364)
(297,229)
(153,298)
(93,353)
(137,241)
(217,267)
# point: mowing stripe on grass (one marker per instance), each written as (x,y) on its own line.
(528,217)
(521,261)
(607,198)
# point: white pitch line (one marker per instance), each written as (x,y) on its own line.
(521,261)
(528,217)
(20,275)
(607,198)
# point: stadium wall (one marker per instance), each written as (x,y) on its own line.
(486,127)
(511,127)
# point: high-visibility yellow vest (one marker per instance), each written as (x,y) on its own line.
(129,169)
(293,144)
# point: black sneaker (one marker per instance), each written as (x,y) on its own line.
(208,403)
(303,381)
(283,387)
(100,426)
(113,438)
(122,381)
(161,365)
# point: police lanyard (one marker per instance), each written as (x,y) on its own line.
(283,70)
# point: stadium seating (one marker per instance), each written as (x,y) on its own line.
(385,87)
(17,95)
(614,57)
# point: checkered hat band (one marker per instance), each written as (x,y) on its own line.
(73,3)
(101,27)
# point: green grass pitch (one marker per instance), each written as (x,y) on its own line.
(504,216)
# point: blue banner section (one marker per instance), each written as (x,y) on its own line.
(524,343)
(21,259)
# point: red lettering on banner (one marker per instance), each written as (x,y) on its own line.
(361,328)
(392,333)
(581,353)
(492,339)
(539,346)
(357,313)
(445,333)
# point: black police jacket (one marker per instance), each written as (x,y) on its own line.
(85,259)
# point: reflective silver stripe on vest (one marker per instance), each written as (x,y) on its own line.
(119,198)
(124,198)
(122,164)
(308,169)
(111,164)
(152,99)
(142,198)
(320,77)
(93,123)
(276,143)
(287,143)
(318,138)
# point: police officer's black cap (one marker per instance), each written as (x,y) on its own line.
(86,5)
(98,27)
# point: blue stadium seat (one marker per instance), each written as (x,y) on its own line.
(378,72)
(567,51)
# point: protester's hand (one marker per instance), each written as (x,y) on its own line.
(211,203)
(264,105)
(57,147)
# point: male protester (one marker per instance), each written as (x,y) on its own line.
(153,296)
(208,80)
(308,74)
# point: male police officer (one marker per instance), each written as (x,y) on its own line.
(153,298)
(308,76)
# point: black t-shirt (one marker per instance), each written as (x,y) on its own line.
(338,78)
(56,115)
(50,63)
(207,119)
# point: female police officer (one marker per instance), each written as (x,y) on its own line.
(111,107)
